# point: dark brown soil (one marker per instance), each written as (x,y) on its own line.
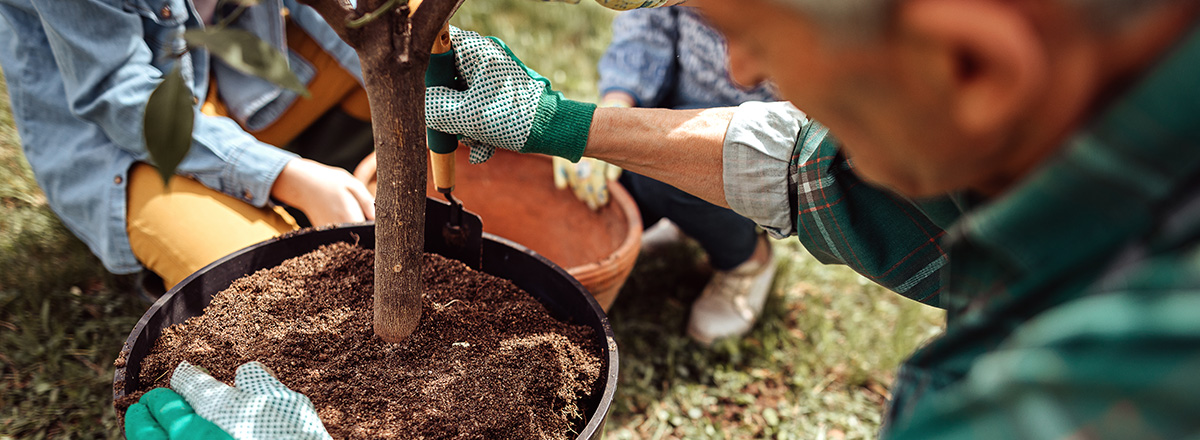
(486,362)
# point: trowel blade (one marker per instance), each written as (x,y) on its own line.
(462,241)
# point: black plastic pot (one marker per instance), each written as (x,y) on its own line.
(564,297)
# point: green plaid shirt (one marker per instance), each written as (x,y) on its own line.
(1073,300)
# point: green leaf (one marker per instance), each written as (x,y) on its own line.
(168,123)
(371,16)
(246,52)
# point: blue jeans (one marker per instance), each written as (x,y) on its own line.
(728,238)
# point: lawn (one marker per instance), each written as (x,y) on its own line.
(818,365)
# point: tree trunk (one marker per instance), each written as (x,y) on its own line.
(399,129)
(393,48)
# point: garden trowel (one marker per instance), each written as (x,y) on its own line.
(453,232)
(461,231)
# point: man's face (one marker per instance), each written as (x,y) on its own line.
(891,124)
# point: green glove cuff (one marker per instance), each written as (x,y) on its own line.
(163,414)
(560,127)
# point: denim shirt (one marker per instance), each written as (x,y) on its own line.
(670,58)
(79,74)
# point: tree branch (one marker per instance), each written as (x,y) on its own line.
(428,19)
(335,12)
(372,15)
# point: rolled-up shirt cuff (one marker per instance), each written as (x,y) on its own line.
(226,158)
(758,149)
(253,172)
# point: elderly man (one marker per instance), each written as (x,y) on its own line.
(1031,166)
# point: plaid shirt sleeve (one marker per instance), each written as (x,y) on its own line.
(1117,365)
(786,173)
(758,146)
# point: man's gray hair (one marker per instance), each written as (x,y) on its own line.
(847,15)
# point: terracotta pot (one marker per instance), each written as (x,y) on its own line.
(515,196)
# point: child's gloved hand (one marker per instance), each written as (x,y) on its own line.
(258,408)
(162,414)
(588,179)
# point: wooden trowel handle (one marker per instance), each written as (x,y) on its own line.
(443,71)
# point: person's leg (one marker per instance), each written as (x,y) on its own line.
(728,238)
(178,231)
(632,184)
(740,255)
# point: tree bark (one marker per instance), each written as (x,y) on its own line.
(393,49)
(400,199)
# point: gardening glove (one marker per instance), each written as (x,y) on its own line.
(623,5)
(162,414)
(258,408)
(505,105)
(588,179)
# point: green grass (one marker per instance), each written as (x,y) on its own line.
(62,317)
(817,366)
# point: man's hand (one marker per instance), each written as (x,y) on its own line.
(327,195)
(506,104)
(258,408)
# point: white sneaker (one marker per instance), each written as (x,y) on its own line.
(659,236)
(732,300)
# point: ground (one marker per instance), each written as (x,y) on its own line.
(818,365)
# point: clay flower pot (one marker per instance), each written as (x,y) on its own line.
(562,295)
(515,196)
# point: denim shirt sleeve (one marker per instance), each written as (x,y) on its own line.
(109,67)
(640,60)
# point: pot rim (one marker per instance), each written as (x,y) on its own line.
(630,246)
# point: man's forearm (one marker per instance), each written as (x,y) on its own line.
(682,148)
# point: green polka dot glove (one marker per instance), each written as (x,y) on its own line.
(161,414)
(258,408)
(505,105)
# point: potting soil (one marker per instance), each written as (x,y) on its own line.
(486,362)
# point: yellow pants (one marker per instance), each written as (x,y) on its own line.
(177,232)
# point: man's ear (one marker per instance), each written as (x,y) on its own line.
(744,69)
(983,56)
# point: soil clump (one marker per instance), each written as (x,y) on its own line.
(486,362)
